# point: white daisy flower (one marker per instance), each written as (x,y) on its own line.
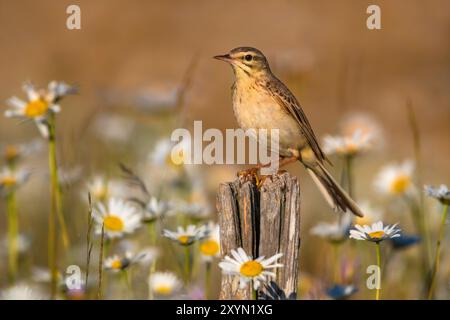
(188,236)
(11,153)
(353,144)
(12,179)
(20,292)
(395,179)
(371,213)
(118,263)
(23,244)
(333,232)
(248,269)
(375,233)
(362,123)
(164,284)
(102,189)
(69,176)
(114,128)
(44,275)
(164,153)
(210,246)
(194,210)
(441,193)
(156,209)
(39,104)
(118,217)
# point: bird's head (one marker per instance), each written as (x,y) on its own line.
(246,61)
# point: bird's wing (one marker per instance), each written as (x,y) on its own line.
(285,98)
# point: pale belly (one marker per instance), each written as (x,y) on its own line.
(259,111)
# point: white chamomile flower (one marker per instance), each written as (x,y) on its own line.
(362,123)
(20,292)
(441,193)
(69,176)
(375,233)
(248,269)
(170,154)
(371,213)
(353,144)
(156,209)
(44,275)
(102,189)
(396,179)
(194,210)
(39,104)
(118,263)
(333,232)
(188,236)
(210,246)
(23,244)
(164,284)
(118,217)
(13,152)
(12,179)
(114,128)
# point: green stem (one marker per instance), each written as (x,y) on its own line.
(377,296)
(13,233)
(438,253)
(254,293)
(187,263)
(336,262)
(421,229)
(126,278)
(55,185)
(348,169)
(208,280)
(100,265)
(51,219)
(152,232)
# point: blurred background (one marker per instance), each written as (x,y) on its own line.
(132,59)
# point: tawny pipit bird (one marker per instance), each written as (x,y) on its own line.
(261,101)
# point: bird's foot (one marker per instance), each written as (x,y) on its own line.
(252,172)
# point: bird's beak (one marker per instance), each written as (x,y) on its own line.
(225,57)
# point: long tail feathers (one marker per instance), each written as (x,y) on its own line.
(336,197)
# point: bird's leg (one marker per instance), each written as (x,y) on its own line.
(286,160)
(253,170)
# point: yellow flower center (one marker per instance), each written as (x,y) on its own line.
(351,148)
(251,268)
(11,152)
(8,181)
(113,223)
(400,184)
(116,264)
(36,108)
(101,193)
(163,290)
(376,234)
(363,220)
(175,161)
(209,247)
(184,239)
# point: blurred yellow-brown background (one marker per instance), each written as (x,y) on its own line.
(321,49)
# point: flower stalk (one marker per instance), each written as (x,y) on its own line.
(438,253)
(13,233)
(378,250)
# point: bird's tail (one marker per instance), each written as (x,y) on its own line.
(337,198)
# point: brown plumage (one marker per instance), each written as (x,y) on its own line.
(262,101)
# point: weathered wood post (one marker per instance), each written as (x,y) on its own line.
(264,222)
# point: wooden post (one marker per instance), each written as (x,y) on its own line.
(263,222)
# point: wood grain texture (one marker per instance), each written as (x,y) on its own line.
(264,222)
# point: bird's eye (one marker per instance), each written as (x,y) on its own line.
(248,57)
